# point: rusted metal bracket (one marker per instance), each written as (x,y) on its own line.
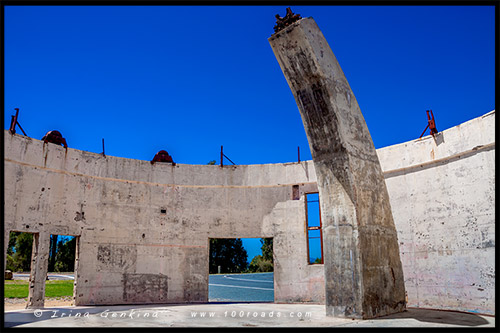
(162,156)
(283,22)
(431,124)
(55,137)
(222,157)
(15,122)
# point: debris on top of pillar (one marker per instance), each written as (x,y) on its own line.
(283,22)
(162,156)
(55,137)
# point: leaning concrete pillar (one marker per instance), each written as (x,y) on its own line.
(363,272)
(39,267)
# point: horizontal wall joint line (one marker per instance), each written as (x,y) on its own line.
(416,167)
(151,183)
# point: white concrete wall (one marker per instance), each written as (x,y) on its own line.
(126,244)
(442,196)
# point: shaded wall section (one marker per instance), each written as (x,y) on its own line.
(442,193)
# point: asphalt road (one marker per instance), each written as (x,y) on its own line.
(253,287)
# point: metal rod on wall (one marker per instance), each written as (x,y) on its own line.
(14,122)
(222,157)
(103,153)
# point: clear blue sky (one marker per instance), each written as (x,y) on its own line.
(190,79)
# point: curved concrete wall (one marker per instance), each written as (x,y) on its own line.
(126,244)
(441,192)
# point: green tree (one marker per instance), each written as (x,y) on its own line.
(229,254)
(19,251)
(212,162)
(65,256)
(259,264)
(52,253)
(264,262)
(267,248)
(317,261)
(12,242)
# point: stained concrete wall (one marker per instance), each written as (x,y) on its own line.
(363,271)
(129,252)
(441,191)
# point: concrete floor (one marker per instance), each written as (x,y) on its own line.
(231,315)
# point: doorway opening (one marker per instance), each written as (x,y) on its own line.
(18,263)
(61,272)
(241,270)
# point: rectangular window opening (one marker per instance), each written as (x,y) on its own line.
(313,227)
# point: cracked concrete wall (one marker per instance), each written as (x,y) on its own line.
(363,270)
(442,193)
(442,196)
(132,252)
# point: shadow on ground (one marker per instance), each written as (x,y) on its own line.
(439,317)
(181,315)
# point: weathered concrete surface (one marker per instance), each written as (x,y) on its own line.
(40,260)
(363,271)
(233,315)
(129,252)
(442,195)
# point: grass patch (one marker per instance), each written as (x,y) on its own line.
(20,288)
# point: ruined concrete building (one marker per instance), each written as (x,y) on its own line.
(412,220)
(363,273)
